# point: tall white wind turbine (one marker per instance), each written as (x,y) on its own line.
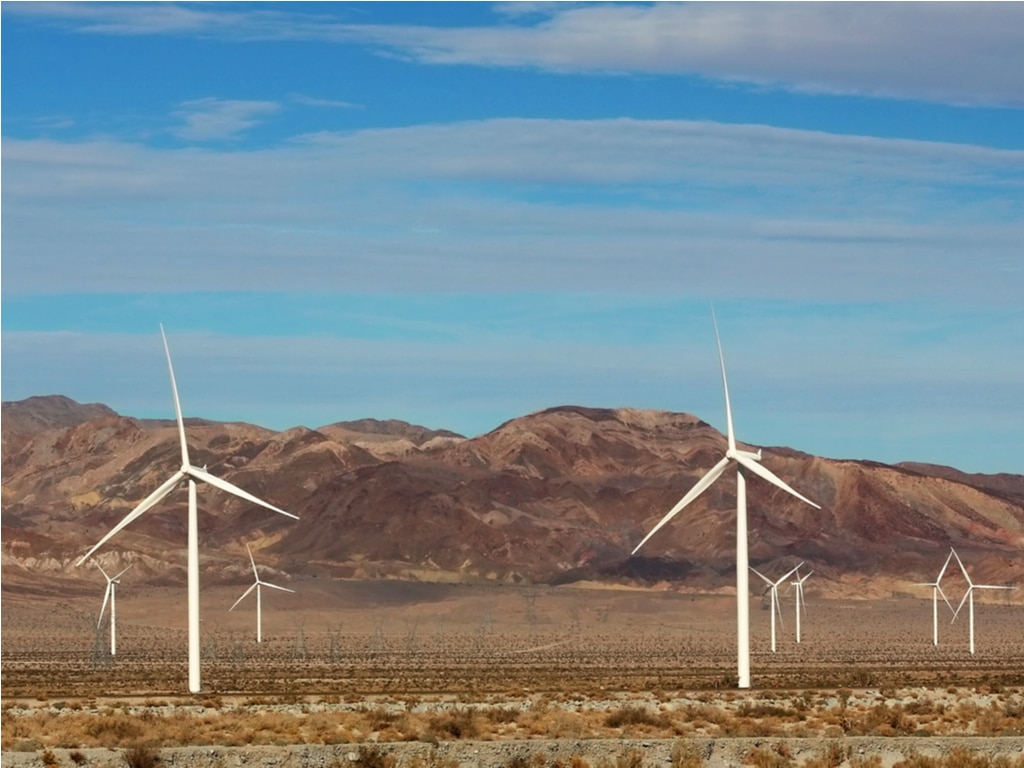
(193,475)
(798,585)
(745,462)
(773,587)
(259,601)
(109,594)
(969,598)
(936,591)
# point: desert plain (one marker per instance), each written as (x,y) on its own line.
(399,673)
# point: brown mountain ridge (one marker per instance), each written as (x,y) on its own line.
(558,496)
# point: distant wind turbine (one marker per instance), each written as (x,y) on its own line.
(969,598)
(745,461)
(259,601)
(193,474)
(109,594)
(773,587)
(801,603)
(936,591)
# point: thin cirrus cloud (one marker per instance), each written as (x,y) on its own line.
(512,204)
(211,119)
(959,53)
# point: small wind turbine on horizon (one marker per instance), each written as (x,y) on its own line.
(798,585)
(193,474)
(773,587)
(936,591)
(745,461)
(109,594)
(259,600)
(969,598)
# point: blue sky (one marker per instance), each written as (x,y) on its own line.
(456,214)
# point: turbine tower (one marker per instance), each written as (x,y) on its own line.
(193,474)
(773,587)
(108,594)
(936,591)
(800,601)
(259,601)
(969,597)
(746,462)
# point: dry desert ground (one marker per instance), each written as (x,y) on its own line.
(405,673)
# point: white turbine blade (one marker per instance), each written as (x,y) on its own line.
(962,569)
(962,601)
(104,573)
(776,584)
(764,578)
(224,485)
(778,606)
(990,586)
(122,573)
(177,404)
(943,595)
(702,485)
(944,566)
(730,434)
(106,597)
(244,594)
(143,506)
(255,572)
(768,475)
(283,589)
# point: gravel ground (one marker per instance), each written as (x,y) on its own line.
(717,753)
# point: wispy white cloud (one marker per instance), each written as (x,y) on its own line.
(311,101)
(969,53)
(211,119)
(516,204)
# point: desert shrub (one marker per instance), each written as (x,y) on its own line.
(455,723)
(632,714)
(687,754)
(375,757)
(78,758)
(501,714)
(831,756)
(379,718)
(959,757)
(140,756)
(49,759)
(762,757)
(632,758)
(432,760)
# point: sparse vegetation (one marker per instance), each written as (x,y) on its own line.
(141,756)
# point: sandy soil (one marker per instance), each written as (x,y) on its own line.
(720,753)
(360,644)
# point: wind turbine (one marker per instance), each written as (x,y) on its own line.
(800,602)
(745,461)
(969,597)
(193,474)
(936,591)
(773,586)
(259,583)
(108,594)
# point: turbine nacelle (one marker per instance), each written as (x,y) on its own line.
(735,454)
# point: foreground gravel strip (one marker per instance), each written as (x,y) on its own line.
(717,753)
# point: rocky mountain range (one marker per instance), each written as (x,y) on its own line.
(558,496)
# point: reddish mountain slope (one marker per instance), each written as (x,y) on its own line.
(558,495)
